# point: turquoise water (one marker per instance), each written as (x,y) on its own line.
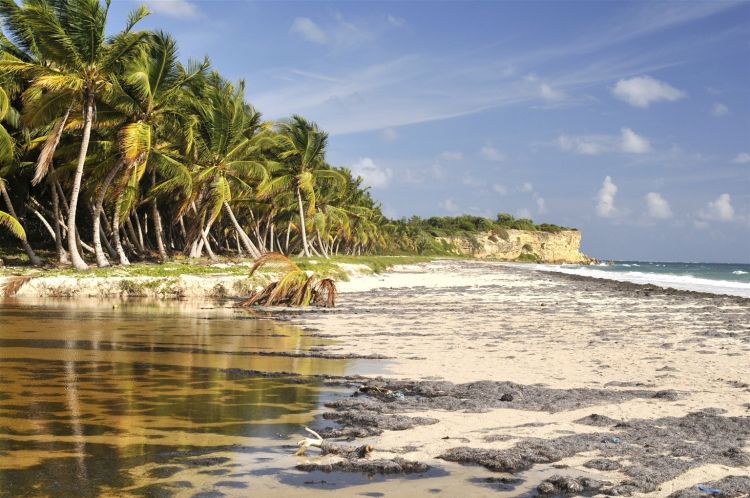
(716,278)
(731,272)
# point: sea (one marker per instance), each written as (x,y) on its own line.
(716,278)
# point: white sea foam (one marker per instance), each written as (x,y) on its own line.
(666,280)
(739,272)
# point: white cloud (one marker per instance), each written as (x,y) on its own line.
(372,175)
(549,93)
(396,21)
(633,143)
(658,207)
(742,158)
(719,210)
(605,206)
(641,91)
(527,187)
(174,8)
(499,188)
(389,134)
(491,153)
(451,155)
(307,29)
(585,145)
(593,145)
(449,205)
(719,110)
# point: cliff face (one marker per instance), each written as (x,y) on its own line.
(547,247)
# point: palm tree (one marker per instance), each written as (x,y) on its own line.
(148,95)
(229,144)
(303,147)
(82,62)
(7,158)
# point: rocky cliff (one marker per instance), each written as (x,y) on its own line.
(524,245)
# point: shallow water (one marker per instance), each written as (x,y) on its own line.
(128,398)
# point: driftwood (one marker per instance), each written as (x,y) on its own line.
(328,448)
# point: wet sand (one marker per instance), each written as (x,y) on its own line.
(470,321)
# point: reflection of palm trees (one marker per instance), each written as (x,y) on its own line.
(74,406)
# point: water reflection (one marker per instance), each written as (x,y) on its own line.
(142,400)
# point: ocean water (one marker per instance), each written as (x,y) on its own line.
(715,278)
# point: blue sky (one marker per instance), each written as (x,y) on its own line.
(628,120)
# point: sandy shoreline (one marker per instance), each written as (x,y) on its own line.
(470,321)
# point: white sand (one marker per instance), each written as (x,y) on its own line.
(471,321)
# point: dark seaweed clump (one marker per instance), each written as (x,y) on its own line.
(657,450)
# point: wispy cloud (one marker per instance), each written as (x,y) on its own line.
(174,8)
(633,143)
(742,158)
(628,142)
(490,153)
(372,174)
(718,110)
(451,155)
(657,206)
(605,205)
(642,91)
(308,30)
(720,209)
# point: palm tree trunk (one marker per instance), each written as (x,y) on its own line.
(158,229)
(204,236)
(116,232)
(88,118)
(302,224)
(101,259)
(249,246)
(62,255)
(137,245)
(107,228)
(24,243)
(288,233)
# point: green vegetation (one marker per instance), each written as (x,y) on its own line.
(419,235)
(112,151)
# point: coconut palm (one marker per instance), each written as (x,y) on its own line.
(7,160)
(82,64)
(230,140)
(303,147)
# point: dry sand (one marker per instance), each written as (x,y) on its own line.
(467,321)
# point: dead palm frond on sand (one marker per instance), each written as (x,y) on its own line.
(294,288)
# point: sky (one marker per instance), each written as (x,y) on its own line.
(627,120)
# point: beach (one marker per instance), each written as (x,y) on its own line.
(463,376)
(471,321)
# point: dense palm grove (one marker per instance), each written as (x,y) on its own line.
(119,151)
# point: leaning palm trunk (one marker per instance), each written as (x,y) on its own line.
(158,232)
(305,248)
(116,232)
(26,247)
(249,246)
(75,257)
(62,255)
(101,259)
